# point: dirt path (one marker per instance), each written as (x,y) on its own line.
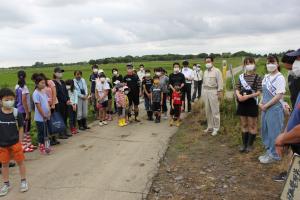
(198,166)
(108,163)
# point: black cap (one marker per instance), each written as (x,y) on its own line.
(58,70)
(294,53)
(129,66)
(185,63)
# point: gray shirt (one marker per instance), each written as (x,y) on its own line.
(164,83)
(156,93)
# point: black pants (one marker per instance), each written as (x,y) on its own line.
(72,117)
(164,106)
(62,108)
(197,88)
(186,93)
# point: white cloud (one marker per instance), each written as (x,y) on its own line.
(75,30)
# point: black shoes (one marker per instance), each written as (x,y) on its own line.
(248,140)
(245,137)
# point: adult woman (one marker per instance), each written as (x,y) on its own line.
(82,107)
(248,88)
(50,90)
(272,109)
(63,99)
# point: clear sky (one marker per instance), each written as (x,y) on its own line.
(79,30)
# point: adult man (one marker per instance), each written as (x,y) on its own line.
(187,90)
(133,82)
(212,92)
(141,72)
(176,78)
(291,61)
(198,74)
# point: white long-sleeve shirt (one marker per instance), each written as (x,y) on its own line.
(198,74)
(188,74)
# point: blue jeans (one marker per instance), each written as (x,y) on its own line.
(40,126)
(272,126)
(147,103)
(164,105)
(72,116)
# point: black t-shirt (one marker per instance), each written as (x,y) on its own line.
(117,78)
(93,78)
(148,84)
(133,82)
(294,87)
(9,133)
(61,92)
(176,79)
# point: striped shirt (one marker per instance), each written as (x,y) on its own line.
(250,78)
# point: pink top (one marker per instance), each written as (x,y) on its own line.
(48,91)
(121,99)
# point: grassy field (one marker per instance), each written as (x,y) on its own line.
(8,77)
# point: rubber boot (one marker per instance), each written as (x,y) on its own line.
(251,139)
(80,125)
(245,137)
(84,124)
(151,116)
(121,122)
(148,114)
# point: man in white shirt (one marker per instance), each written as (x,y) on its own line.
(187,90)
(197,82)
(141,72)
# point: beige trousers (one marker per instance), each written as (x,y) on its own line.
(212,108)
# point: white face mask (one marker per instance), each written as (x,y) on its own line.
(208,65)
(102,80)
(68,87)
(8,104)
(158,73)
(296,68)
(249,67)
(126,92)
(115,73)
(95,71)
(147,75)
(271,67)
(176,69)
(58,74)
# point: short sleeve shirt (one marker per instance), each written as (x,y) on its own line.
(156,93)
(101,88)
(9,133)
(40,97)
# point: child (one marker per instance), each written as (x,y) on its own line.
(127,107)
(156,95)
(11,133)
(23,104)
(176,105)
(121,104)
(109,111)
(42,109)
(72,107)
(102,88)
(146,86)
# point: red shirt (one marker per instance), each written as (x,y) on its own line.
(176,98)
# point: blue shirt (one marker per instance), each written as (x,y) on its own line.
(295,116)
(41,98)
(294,121)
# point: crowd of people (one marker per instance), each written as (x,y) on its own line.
(121,96)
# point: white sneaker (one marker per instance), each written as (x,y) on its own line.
(24,186)
(4,190)
(165,116)
(105,122)
(267,160)
(101,124)
(215,132)
(263,156)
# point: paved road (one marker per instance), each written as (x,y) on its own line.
(107,163)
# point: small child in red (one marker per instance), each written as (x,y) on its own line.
(176,106)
